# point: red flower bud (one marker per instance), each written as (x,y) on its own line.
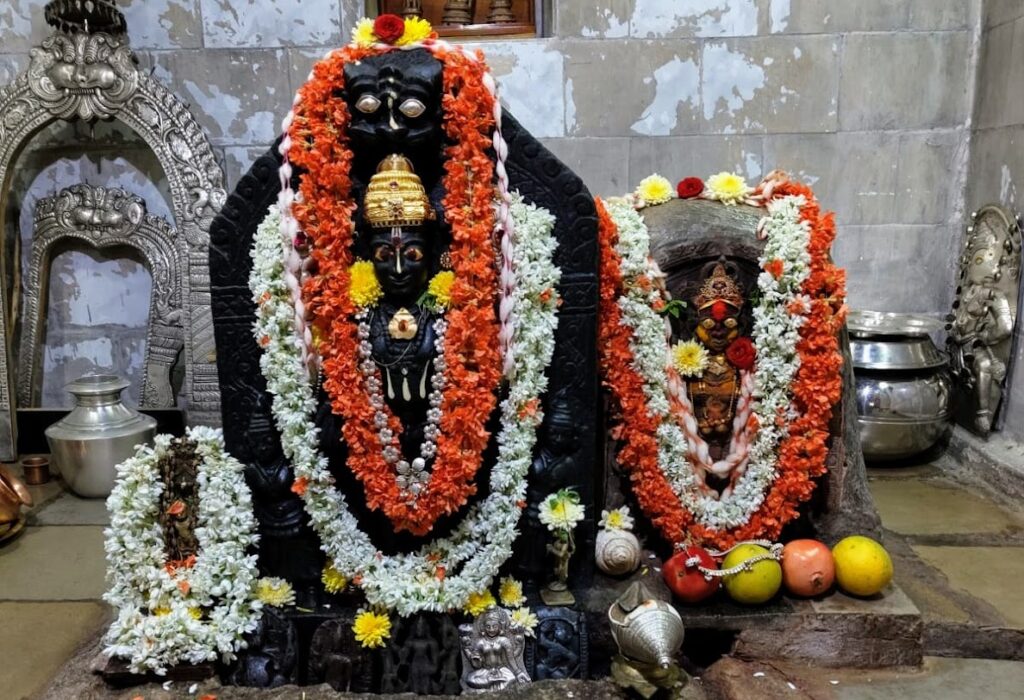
(741,354)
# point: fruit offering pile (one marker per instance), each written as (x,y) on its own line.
(752,573)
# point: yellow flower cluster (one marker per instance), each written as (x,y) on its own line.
(416,30)
(363,286)
(371,628)
(690,358)
(654,189)
(440,288)
(479,602)
(334,581)
(524,617)
(510,592)
(275,592)
(727,188)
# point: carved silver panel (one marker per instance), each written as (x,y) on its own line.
(79,75)
(981,327)
(106,218)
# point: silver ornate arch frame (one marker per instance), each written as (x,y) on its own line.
(79,75)
(106,218)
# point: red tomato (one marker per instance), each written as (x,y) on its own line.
(687,582)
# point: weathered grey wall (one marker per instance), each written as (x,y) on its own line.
(868,101)
(997,152)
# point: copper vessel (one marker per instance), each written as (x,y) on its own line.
(36,470)
(13,495)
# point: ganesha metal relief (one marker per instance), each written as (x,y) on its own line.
(105,218)
(981,326)
(85,70)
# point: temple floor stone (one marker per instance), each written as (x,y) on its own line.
(69,509)
(991,574)
(40,638)
(54,563)
(937,507)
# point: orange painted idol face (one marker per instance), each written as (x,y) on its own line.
(718,309)
(718,325)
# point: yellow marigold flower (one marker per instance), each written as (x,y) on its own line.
(727,188)
(524,618)
(362,33)
(440,288)
(416,29)
(655,189)
(161,611)
(195,613)
(371,628)
(363,286)
(478,602)
(690,358)
(275,592)
(510,592)
(334,581)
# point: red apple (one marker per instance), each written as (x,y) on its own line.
(687,582)
(807,568)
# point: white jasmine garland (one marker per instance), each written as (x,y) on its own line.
(194,614)
(775,335)
(473,553)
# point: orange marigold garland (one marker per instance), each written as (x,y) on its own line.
(473,362)
(815,388)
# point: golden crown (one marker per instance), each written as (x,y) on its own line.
(719,287)
(396,196)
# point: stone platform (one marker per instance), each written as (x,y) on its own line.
(832,631)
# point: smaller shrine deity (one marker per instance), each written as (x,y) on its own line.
(492,653)
(717,390)
(982,319)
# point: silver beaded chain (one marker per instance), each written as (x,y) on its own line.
(411,477)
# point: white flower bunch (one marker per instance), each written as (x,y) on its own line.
(481,543)
(193,613)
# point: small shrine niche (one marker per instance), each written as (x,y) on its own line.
(83,113)
(469,19)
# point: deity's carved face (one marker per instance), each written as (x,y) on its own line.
(401,259)
(718,325)
(394,102)
(492,625)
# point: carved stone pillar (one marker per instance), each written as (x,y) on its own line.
(412,8)
(458,12)
(501,12)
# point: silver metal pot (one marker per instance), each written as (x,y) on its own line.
(98,434)
(903,384)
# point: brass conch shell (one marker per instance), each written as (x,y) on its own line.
(646,630)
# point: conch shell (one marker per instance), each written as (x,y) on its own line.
(13,494)
(617,552)
(646,630)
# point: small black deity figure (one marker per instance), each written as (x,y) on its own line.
(423,657)
(337,659)
(560,649)
(553,468)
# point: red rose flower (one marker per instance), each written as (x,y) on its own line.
(741,354)
(690,187)
(389,28)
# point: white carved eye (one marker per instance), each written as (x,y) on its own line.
(367,104)
(412,108)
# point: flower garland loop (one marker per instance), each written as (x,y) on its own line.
(444,572)
(192,611)
(796,379)
(322,212)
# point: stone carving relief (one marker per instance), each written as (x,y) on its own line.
(86,70)
(980,341)
(106,218)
